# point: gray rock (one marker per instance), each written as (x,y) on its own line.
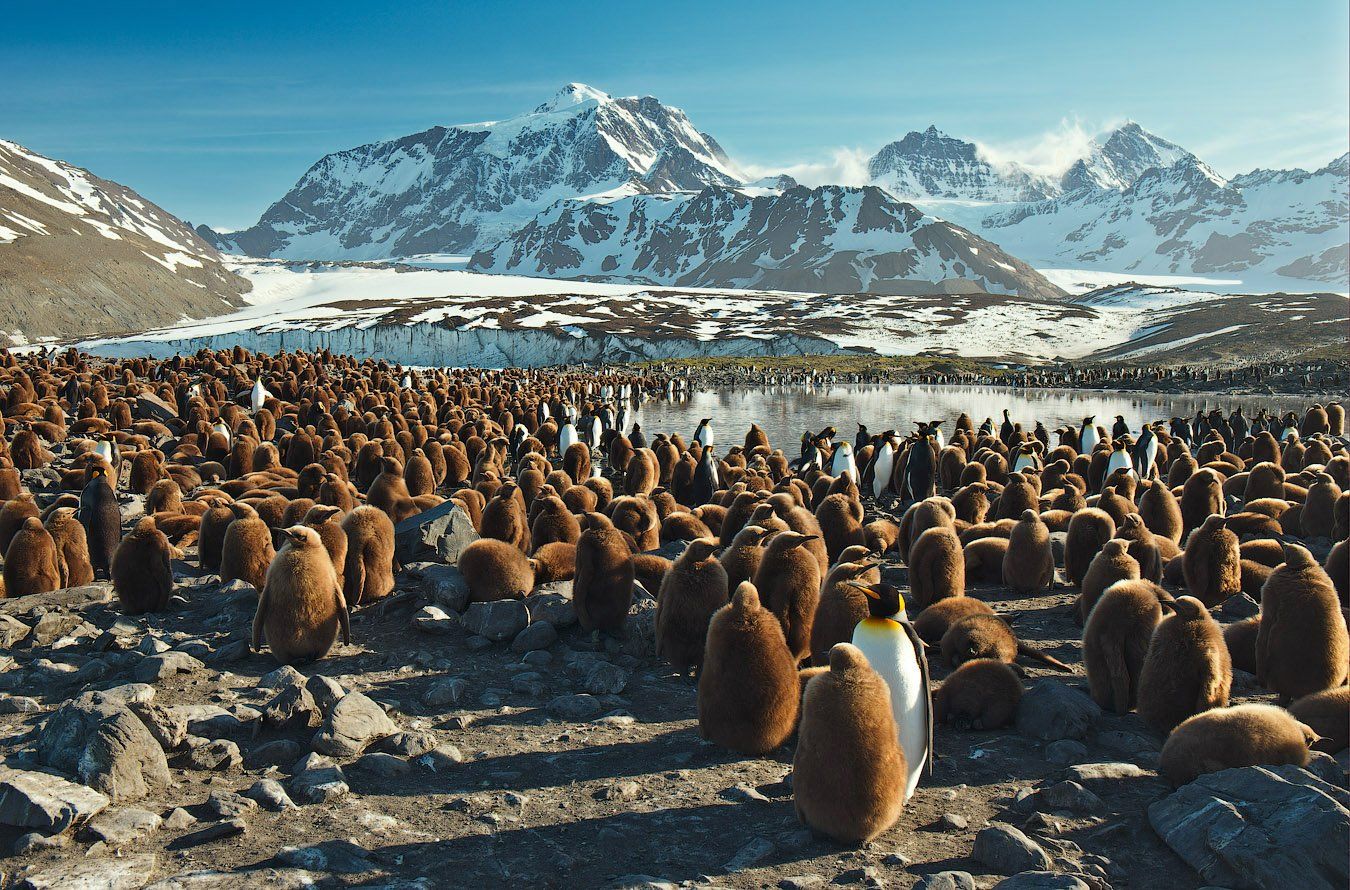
(947,880)
(498,620)
(227,804)
(1052,710)
(179,819)
(743,793)
(275,753)
(865,875)
(755,851)
(281,678)
(554,608)
(385,765)
(19,704)
(354,722)
(290,709)
(12,630)
(952,822)
(1126,744)
(214,721)
(270,795)
(102,873)
(1240,606)
(107,747)
(605,679)
(122,826)
(254,878)
(33,842)
(446,585)
(214,754)
(435,621)
(539,635)
(52,627)
(1042,880)
(444,530)
(213,832)
(800,882)
(1066,751)
(1087,773)
(339,856)
(1324,766)
(441,758)
(574,707)
(326,692)
(1068,796)
(45,802)
(321,783)
(166,664)
(619,791)
(408,744)
(444,692)
(129,694)
(1007,851)
(1258,827)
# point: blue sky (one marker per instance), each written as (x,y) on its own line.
(213,110)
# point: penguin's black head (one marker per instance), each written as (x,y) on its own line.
(883,600)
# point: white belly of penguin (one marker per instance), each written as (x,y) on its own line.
(892,655)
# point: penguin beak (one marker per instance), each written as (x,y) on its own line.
(869,589)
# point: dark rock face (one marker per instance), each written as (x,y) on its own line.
(932,164)
(829,239)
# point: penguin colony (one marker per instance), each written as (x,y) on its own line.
(786,603)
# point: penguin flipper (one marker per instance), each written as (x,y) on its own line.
(927,691)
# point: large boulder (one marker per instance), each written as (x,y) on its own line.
(497,620)
(444,530)
(1259,826)
(106,746)
(45,802)
(355,722)
(1052,710)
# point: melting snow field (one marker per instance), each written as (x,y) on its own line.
(433,315)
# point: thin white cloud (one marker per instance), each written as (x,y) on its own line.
(845,166)
(1049,153)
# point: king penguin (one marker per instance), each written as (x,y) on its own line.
(883,464)
(842,462)
(705,480)
(567,438)
(259,395)
(1145,452)
(1119,459)
(895,652)
(704,434)
(1088,437)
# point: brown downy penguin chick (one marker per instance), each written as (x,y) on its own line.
(988,636)
(301,608)
(211,536)
(1328,713)
(937,567)
(1113,564)
(1201,497)
(418,476)
(742,558)
(1089,530)
(1254,577)
(13,515)
(683,526)
(142,573)
(881,535)
(1318,518)
(842,605)
(555,562)
(748,692)
(369,572)
(1212,563)
(1301,647)
(602,589)
(1337,567)
(788,582)
(1143,546)
(848,773)
(164,497)
(504,518)
(693,589)
(1187,669)
(31,561)
(649,569)
(246,551)
(553,522)
(1029,564)
(1227,738)
(1240,639)
(984,560)
(388,492)
(840,517)
(932,623)
(495,570)
(981,694)
(1161,512)
(327,521)
(72,548)
(1116,640)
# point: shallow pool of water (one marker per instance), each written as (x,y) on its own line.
(785,412)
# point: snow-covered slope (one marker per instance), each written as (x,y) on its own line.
(438,317)
(932,164)
(454,189)
(1116,160)
(829,239)
(1187,219)
(81,255)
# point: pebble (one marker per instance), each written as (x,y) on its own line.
(179,819)
(952,822)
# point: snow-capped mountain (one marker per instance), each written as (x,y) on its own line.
(1188,219)
(454,189)
(1121,158)
(830,239)
(932,164)
(83,255)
